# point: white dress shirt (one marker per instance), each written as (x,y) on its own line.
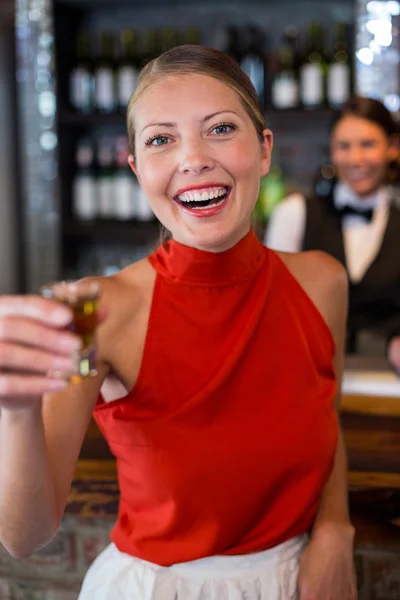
(362,240)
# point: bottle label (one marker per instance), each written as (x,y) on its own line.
(84,197)
(311,85)
(81,88)
(105,92)
(338,84)
(127,80)
(105,190)
(285,91)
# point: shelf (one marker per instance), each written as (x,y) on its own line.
(137,233)
(69,117)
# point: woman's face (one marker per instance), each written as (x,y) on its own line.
(361,151)
(199,160)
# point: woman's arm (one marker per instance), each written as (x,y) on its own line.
(327,566)
(41,431)
(333,507)
(39,448)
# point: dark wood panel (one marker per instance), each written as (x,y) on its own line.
(373,442)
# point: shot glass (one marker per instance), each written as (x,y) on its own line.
(83,299)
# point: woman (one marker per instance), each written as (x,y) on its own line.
(231,464)
(357,221)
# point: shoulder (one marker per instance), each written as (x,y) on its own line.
(124,298)
(325,281)
(128,285)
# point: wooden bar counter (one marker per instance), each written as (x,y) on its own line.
(370,414)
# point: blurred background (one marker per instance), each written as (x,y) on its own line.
(69,205)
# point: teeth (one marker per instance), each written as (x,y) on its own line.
(206,207)
(201,195)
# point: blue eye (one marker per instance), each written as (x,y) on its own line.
(224,128)
(157,140)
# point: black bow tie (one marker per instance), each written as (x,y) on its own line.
(350,210)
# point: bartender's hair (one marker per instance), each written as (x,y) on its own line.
(370,109)
(198,60)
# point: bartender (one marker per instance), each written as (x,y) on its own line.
(356,220)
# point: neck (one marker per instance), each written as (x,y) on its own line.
(215,244)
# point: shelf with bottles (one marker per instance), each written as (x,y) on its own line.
(303,72)
(104,187)
(107,67)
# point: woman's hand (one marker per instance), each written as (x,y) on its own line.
(327,567)
(33,343)
(394,353)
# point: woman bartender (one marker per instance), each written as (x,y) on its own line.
(357,221)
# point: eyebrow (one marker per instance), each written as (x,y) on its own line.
(170,124)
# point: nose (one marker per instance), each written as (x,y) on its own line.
(195,158)
(355,155)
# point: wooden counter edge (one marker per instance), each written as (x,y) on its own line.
(380,406)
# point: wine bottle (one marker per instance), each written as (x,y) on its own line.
(338,78)
(84,191)
(313,69)
(127,72)
(233,46)
(285,86)
(253,62)
(81,81)
(105,87)
(105,179)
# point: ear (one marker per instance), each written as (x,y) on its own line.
(266,151)
(394,147)
(131,163)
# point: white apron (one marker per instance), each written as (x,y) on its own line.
(267,575)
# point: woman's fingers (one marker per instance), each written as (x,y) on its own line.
(26,387)
(41,309)
(24,358)
(31,333)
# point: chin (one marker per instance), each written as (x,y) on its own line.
(211,238)
(363,188)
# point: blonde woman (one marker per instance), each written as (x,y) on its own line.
(219,368)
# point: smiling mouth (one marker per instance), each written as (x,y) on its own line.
(201,199)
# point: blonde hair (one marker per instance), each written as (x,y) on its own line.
(198,60)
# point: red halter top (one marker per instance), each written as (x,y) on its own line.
(227,439)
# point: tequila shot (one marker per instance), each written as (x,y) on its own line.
(83,299)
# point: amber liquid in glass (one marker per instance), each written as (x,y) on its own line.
(84,325)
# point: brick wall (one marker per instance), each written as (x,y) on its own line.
(56,572)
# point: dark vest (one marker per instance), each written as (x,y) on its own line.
(374,302)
